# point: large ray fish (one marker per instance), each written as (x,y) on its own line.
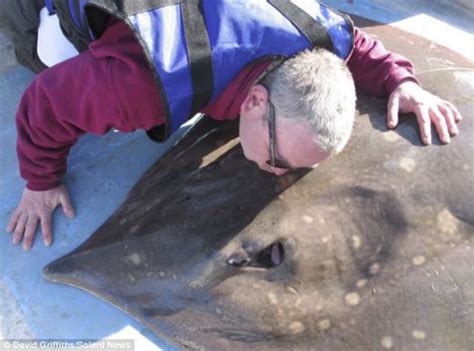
(371,250)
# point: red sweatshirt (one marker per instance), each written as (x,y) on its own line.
(110,85)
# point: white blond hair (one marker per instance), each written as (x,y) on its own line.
(315,85)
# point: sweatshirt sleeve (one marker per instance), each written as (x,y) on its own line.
(60,105)
(100,89)
(375,69)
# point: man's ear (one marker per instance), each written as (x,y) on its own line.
(256,100)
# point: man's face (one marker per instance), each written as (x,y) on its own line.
(295,146)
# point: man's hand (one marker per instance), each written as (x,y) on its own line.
(38,206)
(410,97)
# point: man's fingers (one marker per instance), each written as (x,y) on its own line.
(441,125)
(66,203)
(12,223)
(19,229)
(424,122)
(450,119)
(457,115)
(392,111)
(46,228)
(30,231)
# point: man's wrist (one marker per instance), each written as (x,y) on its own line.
(42,186)
(398,77)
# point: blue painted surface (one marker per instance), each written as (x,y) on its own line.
(101,172)
(387,11)
(368,9)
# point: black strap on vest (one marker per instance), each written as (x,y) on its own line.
(98,11)
(308,26)
(132,7)
(78,36)
(199,53)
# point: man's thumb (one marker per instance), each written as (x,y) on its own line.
(66,204)
(392,111)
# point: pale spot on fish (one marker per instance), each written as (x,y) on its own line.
(131,278)
(391,136)
(307,219)
(374,268)
(161,274)
(419,260)
(322,221)
(466,167)
(272,297)
(387,342)
(407,164)
(361,283)
(352,299)
(447,222)
(325,239)
(134,229)
(418,334)
(135,258)
(296,327)
(356,241)
(324,324)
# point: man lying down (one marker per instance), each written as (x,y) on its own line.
(286,69)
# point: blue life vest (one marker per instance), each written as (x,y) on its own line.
(197,47)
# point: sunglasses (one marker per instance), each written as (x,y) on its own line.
(273,161)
